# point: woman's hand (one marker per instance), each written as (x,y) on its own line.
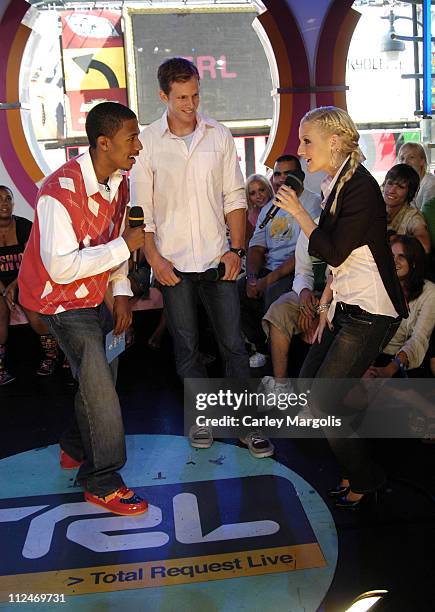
(287,199)
(323,321)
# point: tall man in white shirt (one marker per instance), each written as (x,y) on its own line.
(189,184)
(76,251)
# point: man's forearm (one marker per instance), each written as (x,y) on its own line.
(285,269)
(236,221)
(150,248)
(255,259)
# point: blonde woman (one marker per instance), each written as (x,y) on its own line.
(362,303)
(414,155)
(259,192)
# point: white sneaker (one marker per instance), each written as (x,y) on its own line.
(271,385)
(257,360)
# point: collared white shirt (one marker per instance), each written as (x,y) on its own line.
(186,192)
(357,280)
(60,253)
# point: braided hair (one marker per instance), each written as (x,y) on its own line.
(332,120)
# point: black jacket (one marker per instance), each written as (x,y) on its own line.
(360,219)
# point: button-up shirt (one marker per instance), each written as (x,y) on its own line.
(186,192)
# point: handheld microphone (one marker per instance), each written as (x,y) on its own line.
(135,219)
(294,180)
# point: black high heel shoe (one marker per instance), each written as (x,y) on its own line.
(346,504)
(338,491)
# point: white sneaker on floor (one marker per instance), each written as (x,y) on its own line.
(257,360)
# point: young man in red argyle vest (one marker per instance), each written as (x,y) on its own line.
(74,253)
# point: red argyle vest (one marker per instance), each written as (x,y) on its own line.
(91,220)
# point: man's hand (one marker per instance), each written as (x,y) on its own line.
(164,271)
(308,302)
(122,316)
(134,237)
(232,266)
(10,294)
(308,310)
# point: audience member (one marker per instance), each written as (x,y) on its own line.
(271,259)
(294,312)
(14,234)
(408,347)
(413,154)
(258,192)
(400,186)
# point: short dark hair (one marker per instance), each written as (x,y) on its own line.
(106,119)
(402,173)
(416,258)
(175,70)
(7,189)
(289,158)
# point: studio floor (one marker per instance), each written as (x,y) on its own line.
(389,545)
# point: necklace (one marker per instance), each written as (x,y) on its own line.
(5,232)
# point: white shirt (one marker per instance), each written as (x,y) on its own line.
(304,271)
(426,191)
(60,253)
(186,193)
(414,333)
(357,280)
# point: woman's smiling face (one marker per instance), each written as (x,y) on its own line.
(315,147)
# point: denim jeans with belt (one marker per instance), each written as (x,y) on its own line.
(97,432)
(347,351)
(221,301)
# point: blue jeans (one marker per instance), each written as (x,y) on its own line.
(346,352)
(221,301)
(97,432)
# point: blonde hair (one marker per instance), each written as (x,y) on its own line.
(259,178)
(332,120)
(418,148)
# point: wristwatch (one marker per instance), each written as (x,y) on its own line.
(240,252)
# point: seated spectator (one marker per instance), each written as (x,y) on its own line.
(258,192)
(271,258)
(14,233)
(413,154)
(410,343)
(399,188)
(294,312)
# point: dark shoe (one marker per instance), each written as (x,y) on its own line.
(124,501)
(338,491)
(46,367)
(67,462)
(345,504)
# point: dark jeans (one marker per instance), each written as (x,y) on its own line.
(346,352)
(97,432)
(221,303)
(252,310)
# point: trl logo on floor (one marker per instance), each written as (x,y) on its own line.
(192,532)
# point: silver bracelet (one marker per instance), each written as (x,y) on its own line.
(323,307)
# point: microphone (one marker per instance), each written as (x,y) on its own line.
(294,180)
(135,219)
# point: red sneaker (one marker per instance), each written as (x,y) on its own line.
(123,501)
(67,462)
